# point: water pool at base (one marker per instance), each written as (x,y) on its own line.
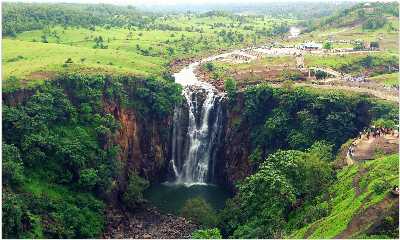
(170,198)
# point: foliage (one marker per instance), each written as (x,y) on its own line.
(290,75)
(374,22)
(212,233)
(320,74)
(198,210)
(13,169)
(260,208)
(344,204)
(230,88)
(327,45)
(302,116)
(133,195)
(384,123)
(380,186)
(58,157)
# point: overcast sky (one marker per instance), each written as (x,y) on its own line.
(171,2)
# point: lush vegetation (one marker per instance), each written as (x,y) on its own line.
(199,211)
(59,158)
(357,64)
(45,39)
(300,117)
(212,233)
(381,175)
(260,208)
(61,161)
(372,15)
(295,136)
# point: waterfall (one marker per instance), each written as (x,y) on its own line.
(196,133)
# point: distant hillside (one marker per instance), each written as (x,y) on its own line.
(368,15)
(19,17)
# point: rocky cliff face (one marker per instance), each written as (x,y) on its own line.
(143,141)
(233,154)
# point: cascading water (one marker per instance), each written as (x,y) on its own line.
(196,130)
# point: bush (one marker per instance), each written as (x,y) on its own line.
(13,214)
(379,186)
(212,233)
(290,75)
(327,45)
(230,88)
(13,169)
(320,74)
(209,66)
(198,210)
(69,60)
(133,195)
(88,178)
(374,45)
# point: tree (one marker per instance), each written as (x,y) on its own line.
(320,74)
(13,169)
(291,75)
(170,51)
(384,123)
(209,66)
(230,88)
(198,210)
(212,233)
(374,45)
(133,195)
(358,45)
(327,45)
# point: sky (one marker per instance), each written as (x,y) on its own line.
(170,2)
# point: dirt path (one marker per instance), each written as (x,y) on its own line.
(375,93)
(366,149)
(356,180)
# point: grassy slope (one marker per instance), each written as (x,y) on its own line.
(391,79)
(27,58)
(344,202)
(37,56)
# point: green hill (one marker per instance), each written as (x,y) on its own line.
(360,203)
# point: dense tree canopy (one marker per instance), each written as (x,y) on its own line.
(58,161)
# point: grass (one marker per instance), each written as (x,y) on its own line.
(28,60)
(386,36)
(345,204)
(390,79)
(39,60)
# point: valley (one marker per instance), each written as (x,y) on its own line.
(124,123)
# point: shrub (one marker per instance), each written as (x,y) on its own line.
(230,88)
(290,75)
(320,74)
(374,45)
(133,196)
(327,45)
(88,178)
(198,210)
(379,186)
(209,66)
(69,60)
(13,169)
(212,233)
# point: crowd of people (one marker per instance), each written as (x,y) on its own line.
(377,132)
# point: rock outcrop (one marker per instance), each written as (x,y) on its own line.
(146,223)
